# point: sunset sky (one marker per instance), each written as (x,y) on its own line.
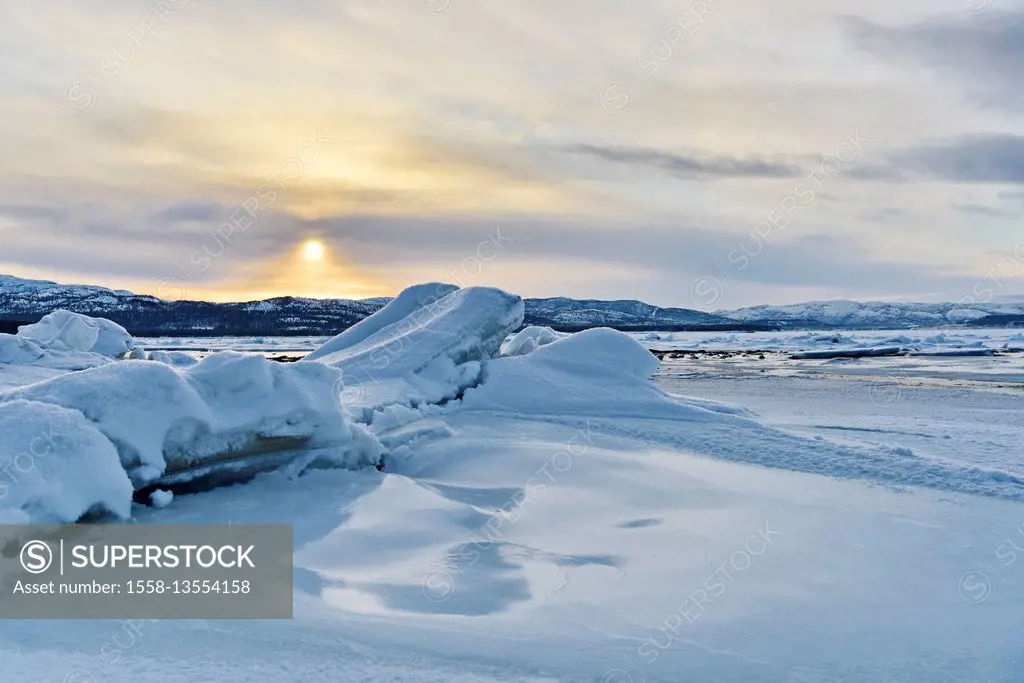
(713,153)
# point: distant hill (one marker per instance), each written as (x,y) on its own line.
(25,301)
(880,315)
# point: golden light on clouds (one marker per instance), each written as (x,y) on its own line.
(312,268)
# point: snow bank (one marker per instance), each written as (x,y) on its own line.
(531,338)
(405,304)
(162,420)
(55,466)
(66,331)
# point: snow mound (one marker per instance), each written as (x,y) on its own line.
(66,331)
(55,466)
(594,372)
(530,338)
(405,304)
(162,420)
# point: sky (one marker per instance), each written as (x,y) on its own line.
(697,153)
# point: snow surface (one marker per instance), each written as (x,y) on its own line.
(554,515)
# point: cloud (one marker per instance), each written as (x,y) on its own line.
(445,127)
(966,159)
(984,210)
(542,256)
(190,210)
(984,52)
(694,165)
(27,212)
(989,158)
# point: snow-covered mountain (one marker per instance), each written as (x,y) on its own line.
(877,314)
(26,301)
(570,313)
(23,301)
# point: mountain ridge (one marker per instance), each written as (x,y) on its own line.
(25,301)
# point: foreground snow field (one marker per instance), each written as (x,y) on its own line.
(553,515)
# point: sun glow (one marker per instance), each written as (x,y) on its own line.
(313,250)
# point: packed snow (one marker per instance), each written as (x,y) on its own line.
(548,507)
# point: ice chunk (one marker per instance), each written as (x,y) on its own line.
(430,355)
(405,304)
(55,466)
(161,498)
(66,331)
(530,338)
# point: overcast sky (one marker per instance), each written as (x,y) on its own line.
(715,153)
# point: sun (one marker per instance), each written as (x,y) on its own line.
(313,250)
